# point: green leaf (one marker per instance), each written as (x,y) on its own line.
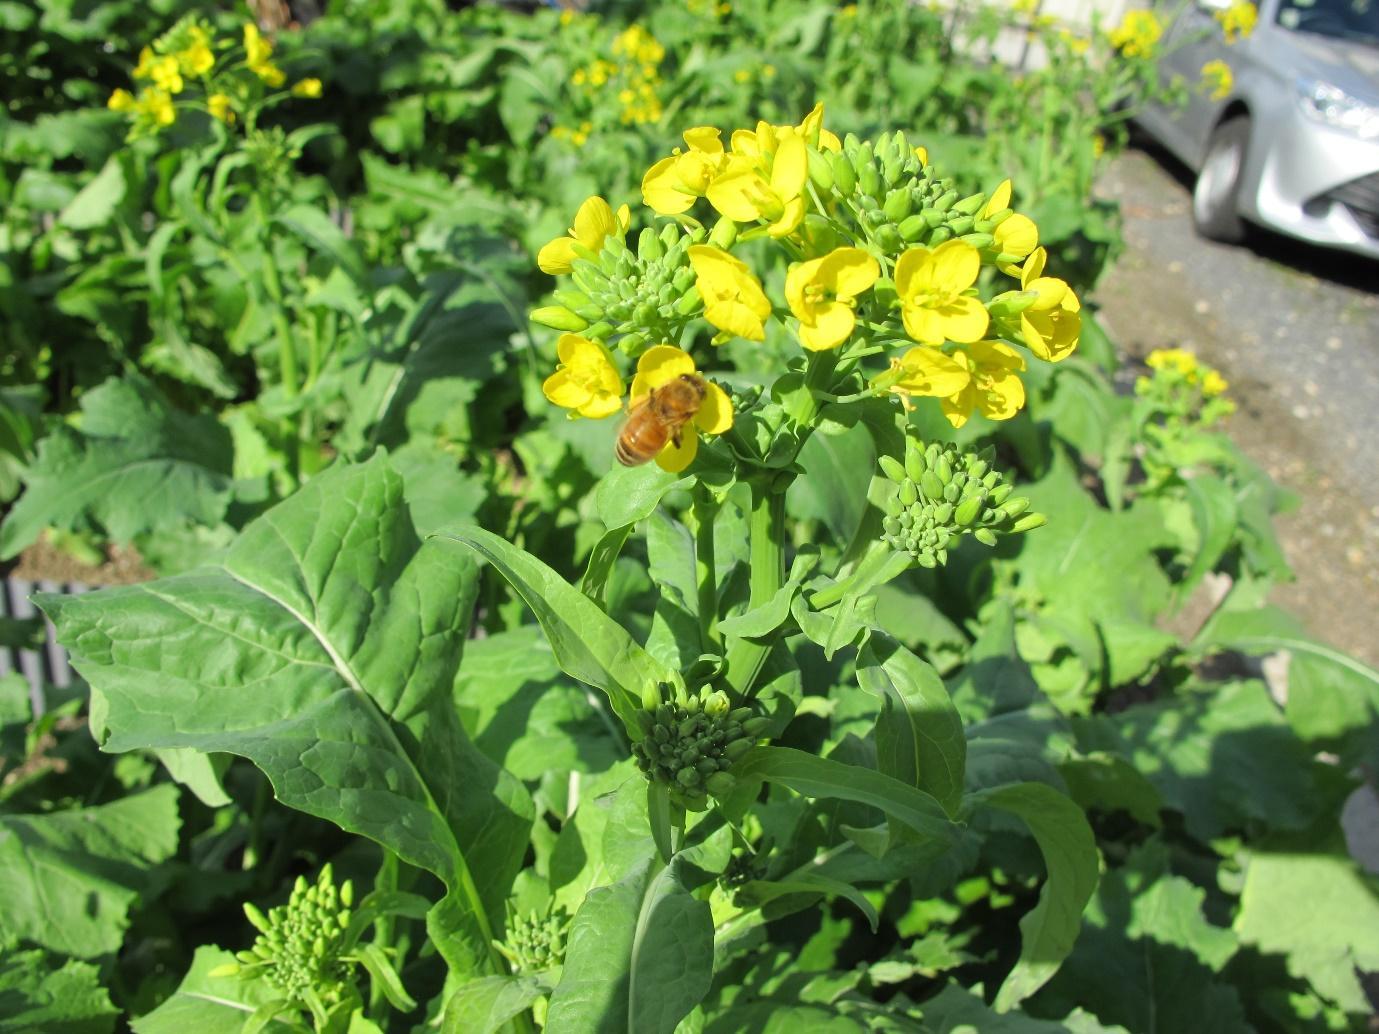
(588,644)
(96,202)
(765,619)
(640,957)
(483,1006)
(956,1008)
(36,994)
(210,1004)
(1148,958)
(1101,780)
(919,734)
(324,649)
(1321,914)
(529,717)
(137,465)
(995,680)
(813,776)
(1225,758)
(1213,511)
(1049,930)
(807,886)
(1330,695)
(602,557)
(626,495)
(69,878)
(314,226)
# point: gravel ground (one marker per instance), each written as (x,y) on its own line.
(1295,329)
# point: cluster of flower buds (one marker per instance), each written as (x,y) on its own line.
(300,944)
(899,200)
(690,744)
(642,296)
(940,494)
(536,942)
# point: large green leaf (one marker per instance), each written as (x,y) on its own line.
(69,878)
(1330,694)
(1049,930)
(919,735)
(210,1004)
(640,957)
(324,649)
(588,644)
(1321,914)
(956,1008)
(1224,758)
(36,995)
(1148,958)
(813,776)
(486,1004)
(137,465)
(528,716)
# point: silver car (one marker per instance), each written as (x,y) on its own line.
(1294,146)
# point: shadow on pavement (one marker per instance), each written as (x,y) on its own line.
(1340,267)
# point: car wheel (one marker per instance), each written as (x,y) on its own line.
(1215,198)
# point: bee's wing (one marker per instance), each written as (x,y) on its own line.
(637,404)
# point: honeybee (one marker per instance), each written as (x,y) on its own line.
(658,417)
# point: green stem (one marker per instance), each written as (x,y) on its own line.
(767,575)
(705,508)
(287,353)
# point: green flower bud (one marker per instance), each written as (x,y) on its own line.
(913,228)
(908,494)
(820,170)
(720,784)
(985,536)
(980,241)
(946,201)
(938,235)
(1029,522)
(931,485)
(970,205)
(687,777)
(967,511)
(736,749)
(716,704)
(844,175)
(557,317)
(892,469)
(869,181)
(754,727)
(650,248)
(724,233)
(255,917)
(897,206)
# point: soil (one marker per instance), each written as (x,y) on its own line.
(42,562)
(1296,332)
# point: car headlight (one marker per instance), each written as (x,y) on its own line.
(1335,107)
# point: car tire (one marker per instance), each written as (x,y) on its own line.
(1216,195)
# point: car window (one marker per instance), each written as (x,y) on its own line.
(1356,20)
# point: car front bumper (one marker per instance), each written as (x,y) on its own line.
(1317,183)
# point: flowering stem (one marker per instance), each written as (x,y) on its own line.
(767,574)
(705,576)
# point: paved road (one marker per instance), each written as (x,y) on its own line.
(1296,322)
(1295,329)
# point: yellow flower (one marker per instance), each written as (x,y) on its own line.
(932,286)
(586,380)
(218,104)
(156,105)
(733,299)
(658,366)
(1053,323)
(742,76)
(1016,236)
(144,69)
(257,52)
(993,387)
(1217,79)
(672,184)
(1238,20)
(594,222)
(924,371)
(307,88)
(1137,34)
(166,74)
(746,193)
(120,100)
(822,293)
(1213,384)
(197,58)
(1179,360)
(813,131)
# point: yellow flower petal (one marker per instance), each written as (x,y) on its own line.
(850,271)
(733,299)
(831,325)
(661,191)
(790,168)
(735,193)
(1017,235)
(929,372)
(558,256)
(593,222)
(954,265)
(658,366)
(566,392)
(704,138)
(675,459)
(715,414)
(999,200)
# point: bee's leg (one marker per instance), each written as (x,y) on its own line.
(675,438)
